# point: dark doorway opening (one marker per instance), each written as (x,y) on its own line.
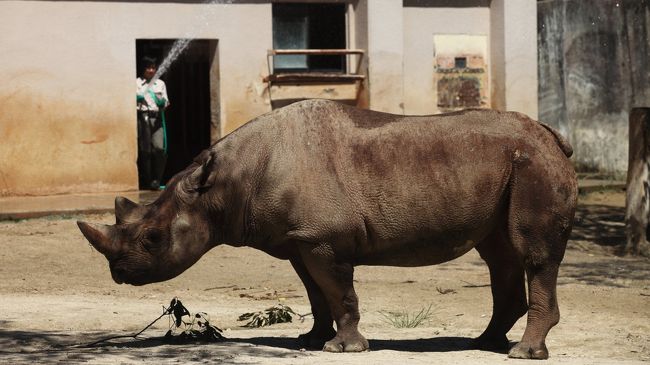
(192,86)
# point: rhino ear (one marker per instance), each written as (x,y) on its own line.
(127,211)
(100,236)
(199,179)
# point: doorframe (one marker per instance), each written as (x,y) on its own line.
(215,90)
(214,81)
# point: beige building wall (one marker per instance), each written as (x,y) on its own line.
(67,70)
(67,84)
(420,27)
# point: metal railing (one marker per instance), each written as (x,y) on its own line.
(315,76)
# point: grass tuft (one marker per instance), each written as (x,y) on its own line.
(407,320)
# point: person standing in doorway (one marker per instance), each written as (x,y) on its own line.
(152,101)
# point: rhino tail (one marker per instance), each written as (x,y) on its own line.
(561,141)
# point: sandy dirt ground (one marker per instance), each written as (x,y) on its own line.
(56,292)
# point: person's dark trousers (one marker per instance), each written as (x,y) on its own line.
(151,153)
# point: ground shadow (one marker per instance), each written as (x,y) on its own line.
(613,271)
(52,347)
(600,224)
(37,346)
(436,344)
(600,229)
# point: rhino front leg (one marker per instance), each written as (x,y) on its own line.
(335,280)
(323,330)
(508,291)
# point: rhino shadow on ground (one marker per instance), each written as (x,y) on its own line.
(435,344)
(39,346)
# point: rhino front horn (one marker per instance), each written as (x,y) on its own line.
(99,236)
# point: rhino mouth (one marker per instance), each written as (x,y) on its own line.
(121,275)
(130,281)
(117,277)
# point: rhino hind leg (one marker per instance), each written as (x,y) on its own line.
(543,313)
(542,207)
(335,279)
(323,329)
(508,286)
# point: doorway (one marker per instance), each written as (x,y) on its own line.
(193,117)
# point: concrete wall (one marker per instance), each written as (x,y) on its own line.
(67,70)
(594,67)
(420,26)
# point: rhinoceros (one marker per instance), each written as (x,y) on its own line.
(329,187)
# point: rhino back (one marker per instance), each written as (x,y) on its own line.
(384,184)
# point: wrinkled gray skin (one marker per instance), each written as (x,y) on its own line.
(330,187)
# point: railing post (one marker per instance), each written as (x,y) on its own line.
(637,200)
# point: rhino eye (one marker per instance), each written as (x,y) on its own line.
(152,237)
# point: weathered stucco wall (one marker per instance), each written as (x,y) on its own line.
(593,68)
(420,26)
(67,111)
(67,118)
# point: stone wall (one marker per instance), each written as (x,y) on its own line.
(593,68)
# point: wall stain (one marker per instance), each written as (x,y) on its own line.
(53,145)
(99,139)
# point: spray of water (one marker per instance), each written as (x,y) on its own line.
(179,46)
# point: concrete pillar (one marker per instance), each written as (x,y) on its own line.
(513,51)
(359,39)
(385,55)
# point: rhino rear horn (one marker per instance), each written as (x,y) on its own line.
(127,211)
(100,237)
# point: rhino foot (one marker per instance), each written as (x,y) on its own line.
(494,344)
(526,351)
(356,343)
(316,339)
